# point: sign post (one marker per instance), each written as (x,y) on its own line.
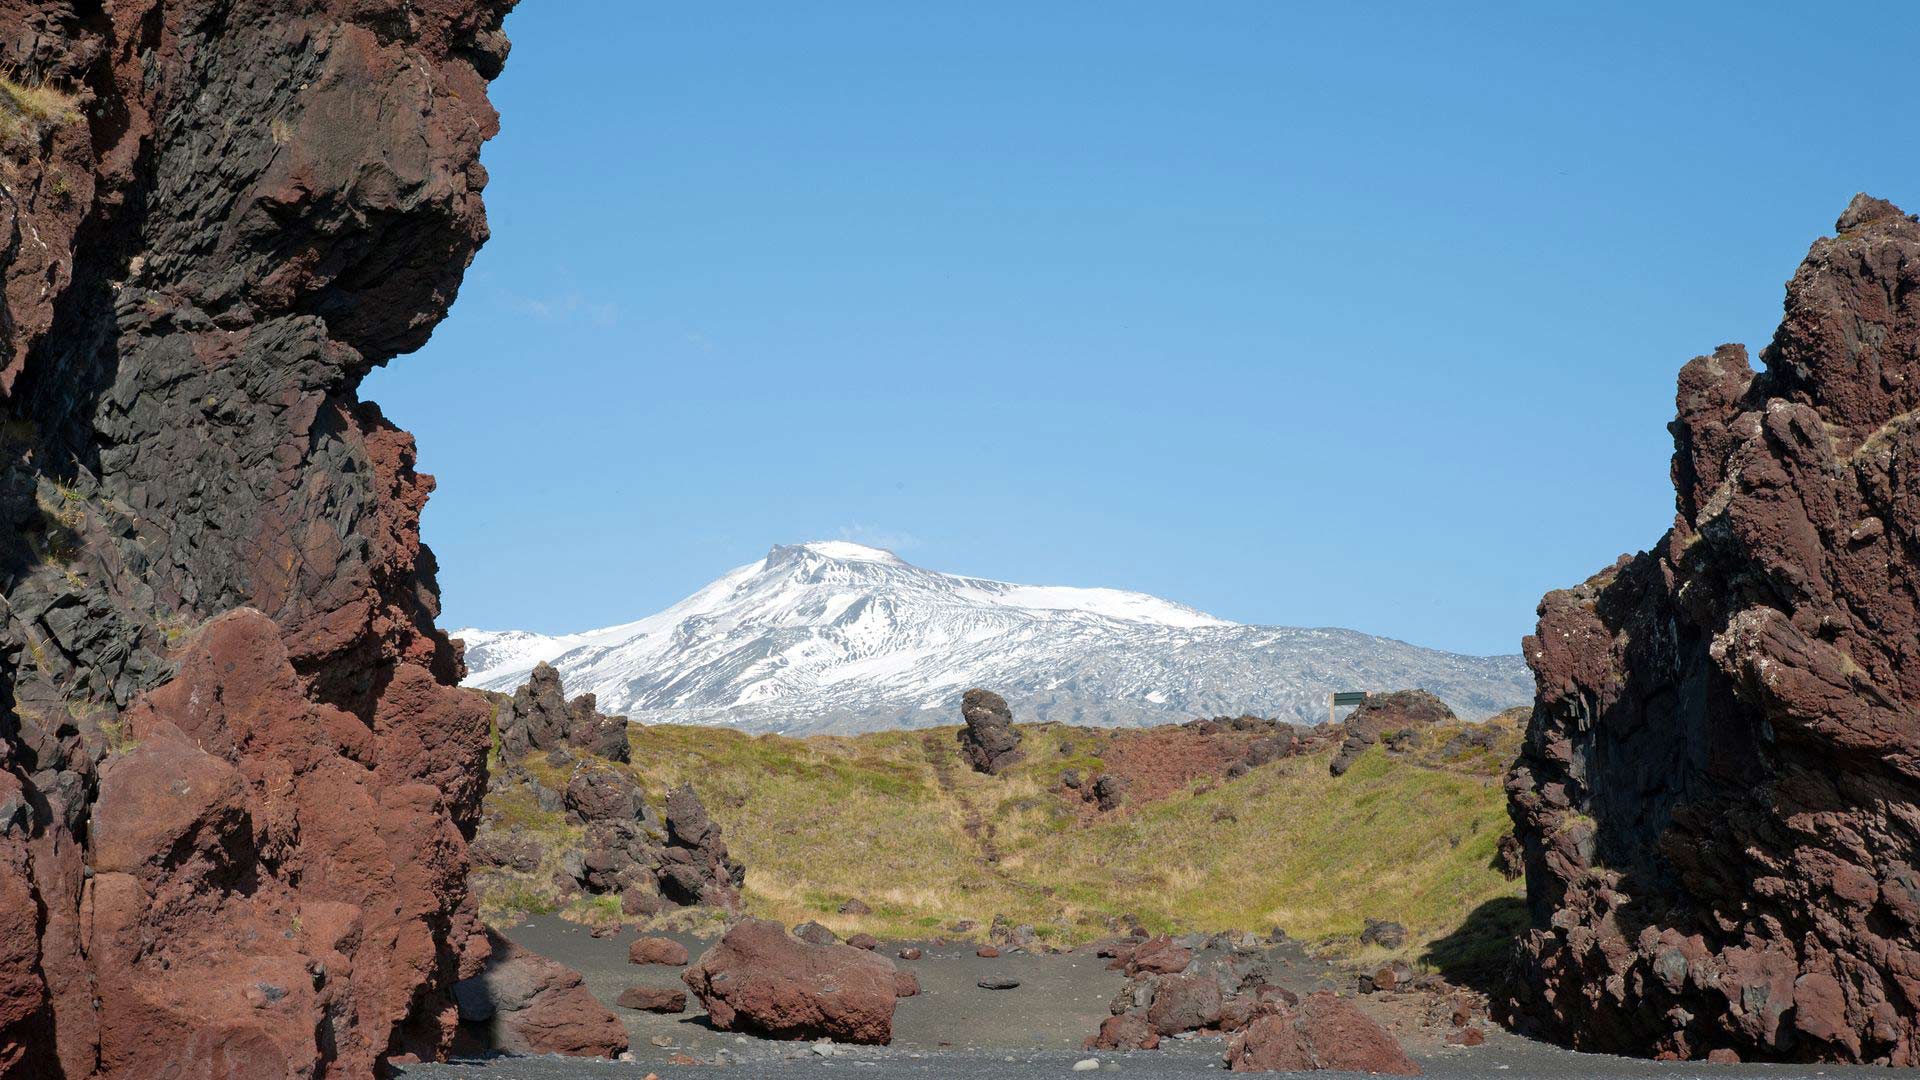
(1343,698)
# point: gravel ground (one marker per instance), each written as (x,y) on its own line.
(955,1029)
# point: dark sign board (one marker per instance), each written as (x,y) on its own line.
(1345,699)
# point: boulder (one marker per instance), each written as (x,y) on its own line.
(1184,1003)
(657,950)
(1158,956)
(864,941)
(759,979)
(1109,791)
(529,1004)
(653,999)
(855,907)
(1126,1031)
(1324,1032)
(814,933)
(905,984)
(1385,934)
(989,741)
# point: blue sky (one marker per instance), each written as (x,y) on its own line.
(1297,314)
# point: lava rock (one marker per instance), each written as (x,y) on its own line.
(532,1005)
(657,950)
(1325,1032)
(1725,726)
(759,979)
(1384,715)
(653,999)
(989,741)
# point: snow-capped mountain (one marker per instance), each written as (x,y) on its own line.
(838,637)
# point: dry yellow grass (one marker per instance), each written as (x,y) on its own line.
(896,820)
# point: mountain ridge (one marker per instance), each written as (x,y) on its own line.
(836,637)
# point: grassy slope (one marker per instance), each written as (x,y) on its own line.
(897,820)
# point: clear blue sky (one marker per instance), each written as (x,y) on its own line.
(1295,314)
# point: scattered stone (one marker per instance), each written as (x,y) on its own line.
(905,984)
(864,941)
(855,907)
(1000,982)
(657,950)
(653,999)
(910,953)
(987,952)
(1387,935)
(1087,1065)
(814,933)
(1125,1031)
(1109,791)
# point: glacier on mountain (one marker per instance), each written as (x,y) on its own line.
(838,637)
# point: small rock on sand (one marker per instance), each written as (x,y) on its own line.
(998,984)
(1087,1065)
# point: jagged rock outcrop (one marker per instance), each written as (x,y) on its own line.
(578,820)
(236,779)
(539,717)
(989,741)
(1719,798)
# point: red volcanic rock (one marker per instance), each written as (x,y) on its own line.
(1184,1003)
(987,952)
(530,1005)
(759,979)
(1716,796)
(906,984)
(1127,1031)
(657,950)
(910,953)
(864,941)
(1158,956)
(653,999)
(1325,1032)
(237,779)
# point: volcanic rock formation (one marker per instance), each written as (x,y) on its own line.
(1719,798)
(989,741)
(236,779)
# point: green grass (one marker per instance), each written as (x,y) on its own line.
(897,820)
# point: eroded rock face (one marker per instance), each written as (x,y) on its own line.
(236,779)
(1718,798)
(539,717)
(989,740)
(528,1004)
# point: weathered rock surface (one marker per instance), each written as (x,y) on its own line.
(760,979)
(539,717)
(657,950)
(989,741)
(1323,1032)
(653,860)
(236,780)
(529,1004)
(1718,798)
(1383,715)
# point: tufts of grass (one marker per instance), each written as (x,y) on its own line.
(29,110)
(897,820)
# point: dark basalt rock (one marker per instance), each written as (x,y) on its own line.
(211,557)
(539,717)
(1717,797)
(989,741)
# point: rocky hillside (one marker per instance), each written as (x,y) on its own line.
(1720,795)
(1213,825)
(835,638)
(236,776)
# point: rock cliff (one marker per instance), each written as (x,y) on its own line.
(1719,797)
(236,780)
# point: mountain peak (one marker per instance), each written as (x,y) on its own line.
(833,635)
(842,550)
